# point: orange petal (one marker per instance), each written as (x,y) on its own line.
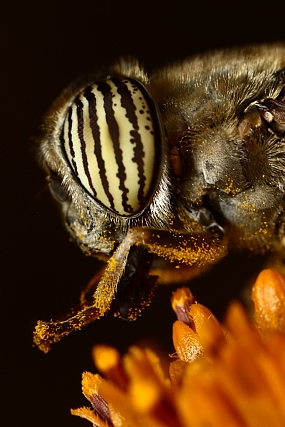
(186,342)
(207,327)
(176,373)
(89,415)
(269,299)
(108,361)
(106,357)
(90,384)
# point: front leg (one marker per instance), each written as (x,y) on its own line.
(190,249)
(47,333)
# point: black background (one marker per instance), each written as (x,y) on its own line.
(45,44)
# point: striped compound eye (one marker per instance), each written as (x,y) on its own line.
(113,142)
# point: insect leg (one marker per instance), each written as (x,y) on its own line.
(47,333)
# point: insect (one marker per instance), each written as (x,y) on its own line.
(165,170)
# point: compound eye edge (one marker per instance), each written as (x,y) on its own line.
(114,144)
(56,189)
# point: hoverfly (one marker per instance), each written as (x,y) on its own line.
(172,168)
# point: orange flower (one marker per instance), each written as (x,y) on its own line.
(230,376)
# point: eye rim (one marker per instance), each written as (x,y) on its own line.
(56,188)
(281,95)
(159,144)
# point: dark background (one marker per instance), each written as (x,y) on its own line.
(45,44)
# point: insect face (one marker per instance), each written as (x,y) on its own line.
(177,166)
